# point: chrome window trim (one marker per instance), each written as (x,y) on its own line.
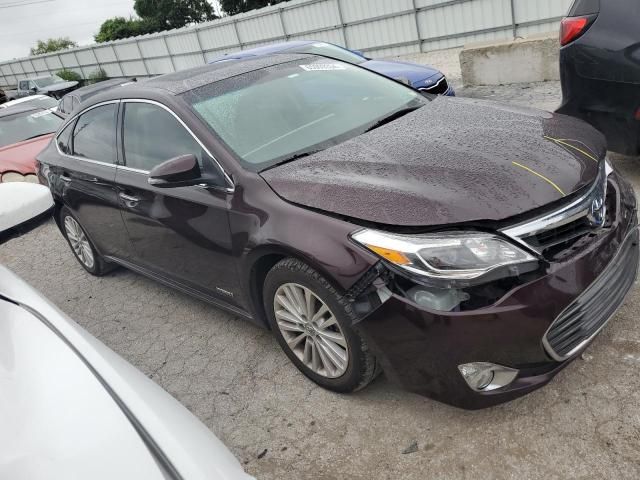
(229,189)
(131,169)
(573,211)
(73,119)
(545,342)
(230,185)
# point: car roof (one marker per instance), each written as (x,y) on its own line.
(91,90)
(173,84)
(15,109)
(264,50)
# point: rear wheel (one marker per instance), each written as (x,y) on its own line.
(312,324)
(81,246)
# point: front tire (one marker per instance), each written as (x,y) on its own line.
(81,246)
(312,324)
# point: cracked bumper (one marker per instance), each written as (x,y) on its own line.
(421,349)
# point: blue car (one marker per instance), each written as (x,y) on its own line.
(420,77)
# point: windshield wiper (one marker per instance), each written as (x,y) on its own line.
(394,116)
(291,159)
(34,136)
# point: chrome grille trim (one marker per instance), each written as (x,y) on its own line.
(583,319)
(574,211)
(435,86)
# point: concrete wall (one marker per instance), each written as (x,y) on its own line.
(534,59)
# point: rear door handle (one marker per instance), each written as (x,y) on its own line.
(129,200)
(65,179)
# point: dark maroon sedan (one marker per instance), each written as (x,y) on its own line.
(469,250)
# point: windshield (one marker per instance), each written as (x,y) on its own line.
(329,50)
(271,115)
(23,126)
(46,81)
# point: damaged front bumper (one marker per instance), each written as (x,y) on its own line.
(525,330)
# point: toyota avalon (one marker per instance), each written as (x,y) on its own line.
(470,259)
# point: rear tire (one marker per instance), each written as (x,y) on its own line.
(81,246)
(312,324)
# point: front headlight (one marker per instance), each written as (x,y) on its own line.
(450,255)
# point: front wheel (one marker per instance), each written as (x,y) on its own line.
(312,324)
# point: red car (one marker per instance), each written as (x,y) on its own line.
(24,132)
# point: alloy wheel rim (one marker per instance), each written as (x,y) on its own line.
(311,330)
(79,242)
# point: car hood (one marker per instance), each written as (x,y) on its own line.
(401,70)
(452,161)
(57,87)
(21,157)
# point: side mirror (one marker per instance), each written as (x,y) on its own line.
(181,171)
(34,89)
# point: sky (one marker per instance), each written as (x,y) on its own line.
(24,22)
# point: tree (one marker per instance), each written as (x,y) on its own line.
(155,16)
(174,13)
(120,27)
(53,45)
(232,7)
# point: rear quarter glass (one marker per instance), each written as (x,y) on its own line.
(584,7)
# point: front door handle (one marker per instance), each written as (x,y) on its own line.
(129,200)
(65,179)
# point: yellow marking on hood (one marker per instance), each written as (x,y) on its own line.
(541,176)
(563,142)
(578,141)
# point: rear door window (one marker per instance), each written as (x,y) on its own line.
(94,135)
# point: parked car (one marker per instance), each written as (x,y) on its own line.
(469,249)
(72,408)
(22,204)
(51,85)
(600,69)
(24,131)
(71,100)
(41,101)
(422,77)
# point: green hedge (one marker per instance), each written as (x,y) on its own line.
(69,75)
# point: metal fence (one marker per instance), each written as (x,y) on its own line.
(377,27)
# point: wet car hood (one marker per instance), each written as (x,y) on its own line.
(21,157)
(57,87)
(454,160)
(413,72)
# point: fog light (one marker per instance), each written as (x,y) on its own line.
(484,377)
(437,299)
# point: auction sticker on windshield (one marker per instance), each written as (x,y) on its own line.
(323,67)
